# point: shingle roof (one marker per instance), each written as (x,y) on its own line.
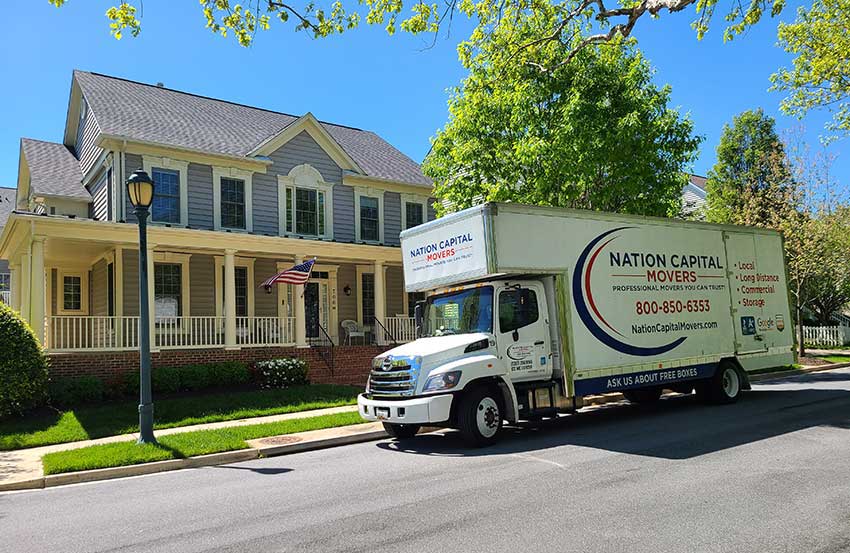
(7,204)
(53,169)
(697,181)
(164,116)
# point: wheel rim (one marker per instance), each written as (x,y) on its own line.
(731,382)
(487,417)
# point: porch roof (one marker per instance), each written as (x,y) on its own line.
(22,226)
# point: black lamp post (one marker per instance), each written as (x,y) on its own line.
(140,188)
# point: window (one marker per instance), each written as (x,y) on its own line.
(412,299)
(305,200)
(517,308)
(5,281)
(232,203)
(241,277)
(72,293)
(168,292)
(166,200)
(306,204)
(367,297)
(414,214)
(369,219)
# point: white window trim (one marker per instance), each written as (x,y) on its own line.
(361,270)
(413,199)
(60,292)
(181,259)
(304,176)
(149,163)
(360,191)
(248,178)
(248,263)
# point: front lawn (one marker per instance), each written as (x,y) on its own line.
(186,444)
(837,358)
(122,417)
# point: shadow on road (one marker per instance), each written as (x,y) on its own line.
(676,428)
(271,471)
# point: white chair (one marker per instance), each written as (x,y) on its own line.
(352,329)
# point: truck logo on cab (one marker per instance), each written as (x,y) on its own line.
(387,363)
(583,298)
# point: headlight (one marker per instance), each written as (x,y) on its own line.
(444,381)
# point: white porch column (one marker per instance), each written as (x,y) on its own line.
(380,303)
(25,287)
(229,298)
(151,298)
(37,288)
(15,285)
(118,294)
(300,311)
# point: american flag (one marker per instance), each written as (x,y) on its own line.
(299,274)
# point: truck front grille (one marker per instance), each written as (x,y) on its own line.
(400,381)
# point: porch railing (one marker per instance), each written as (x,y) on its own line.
(265,331)
(101,333)
(6,297)
(402,329)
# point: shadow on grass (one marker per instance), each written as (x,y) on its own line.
(675,428)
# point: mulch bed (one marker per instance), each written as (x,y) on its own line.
(814,361)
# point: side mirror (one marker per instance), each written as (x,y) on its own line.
(417,319)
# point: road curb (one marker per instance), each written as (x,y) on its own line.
(240,455)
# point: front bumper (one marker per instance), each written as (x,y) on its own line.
(420,410)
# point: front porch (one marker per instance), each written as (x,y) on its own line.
(76,282)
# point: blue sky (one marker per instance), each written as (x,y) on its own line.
(395,86)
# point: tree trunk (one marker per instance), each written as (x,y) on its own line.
(801,348)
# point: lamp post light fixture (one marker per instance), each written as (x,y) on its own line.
(140,189)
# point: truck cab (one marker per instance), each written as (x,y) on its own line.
(484,353)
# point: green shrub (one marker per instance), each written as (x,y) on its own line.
(194,377)
(65,392)
(282,373)
(228,373)
(131,383)
(165,380)
(23,365)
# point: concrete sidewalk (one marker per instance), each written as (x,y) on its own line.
(25,464)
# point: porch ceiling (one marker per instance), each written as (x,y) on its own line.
(84,239)
(62,252)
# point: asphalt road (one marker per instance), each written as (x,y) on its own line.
(771,473)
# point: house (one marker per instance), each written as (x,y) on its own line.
(241,193)
(7,202)
(693,196)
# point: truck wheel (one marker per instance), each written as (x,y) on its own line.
(725,385)
(480,416)
(643,395)
(401,431)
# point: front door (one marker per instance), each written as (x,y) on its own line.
(522,329)
(311,308)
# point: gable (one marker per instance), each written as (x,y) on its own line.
(301,149)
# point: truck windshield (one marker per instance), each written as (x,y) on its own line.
(459,312)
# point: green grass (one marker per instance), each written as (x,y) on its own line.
(837,358)
(122,417)
(186,444)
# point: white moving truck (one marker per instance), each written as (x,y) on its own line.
(529,309)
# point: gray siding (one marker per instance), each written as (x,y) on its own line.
(347,305)
(54,277)
(392,218)
(395,289)
(131,283)
(265,204)
(100,195)
(132,162)
(4,264)
(343,206)
(201,285)
(265,305)
(303,149)
(87,134)
(200,185)
(98,291)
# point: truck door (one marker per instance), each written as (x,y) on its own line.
(523,332)
(747,302)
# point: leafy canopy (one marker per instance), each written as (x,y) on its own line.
(595,134)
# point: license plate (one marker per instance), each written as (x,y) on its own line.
(382,413)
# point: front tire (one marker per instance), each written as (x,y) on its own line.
(725,386)
(480,416)
(401,431)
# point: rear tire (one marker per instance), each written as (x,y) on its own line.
(643,395)
(480,416)
(725,386)
(401,431)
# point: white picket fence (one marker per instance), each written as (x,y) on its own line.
(826,336)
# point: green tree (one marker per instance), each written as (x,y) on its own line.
(752,170)
(595,134)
